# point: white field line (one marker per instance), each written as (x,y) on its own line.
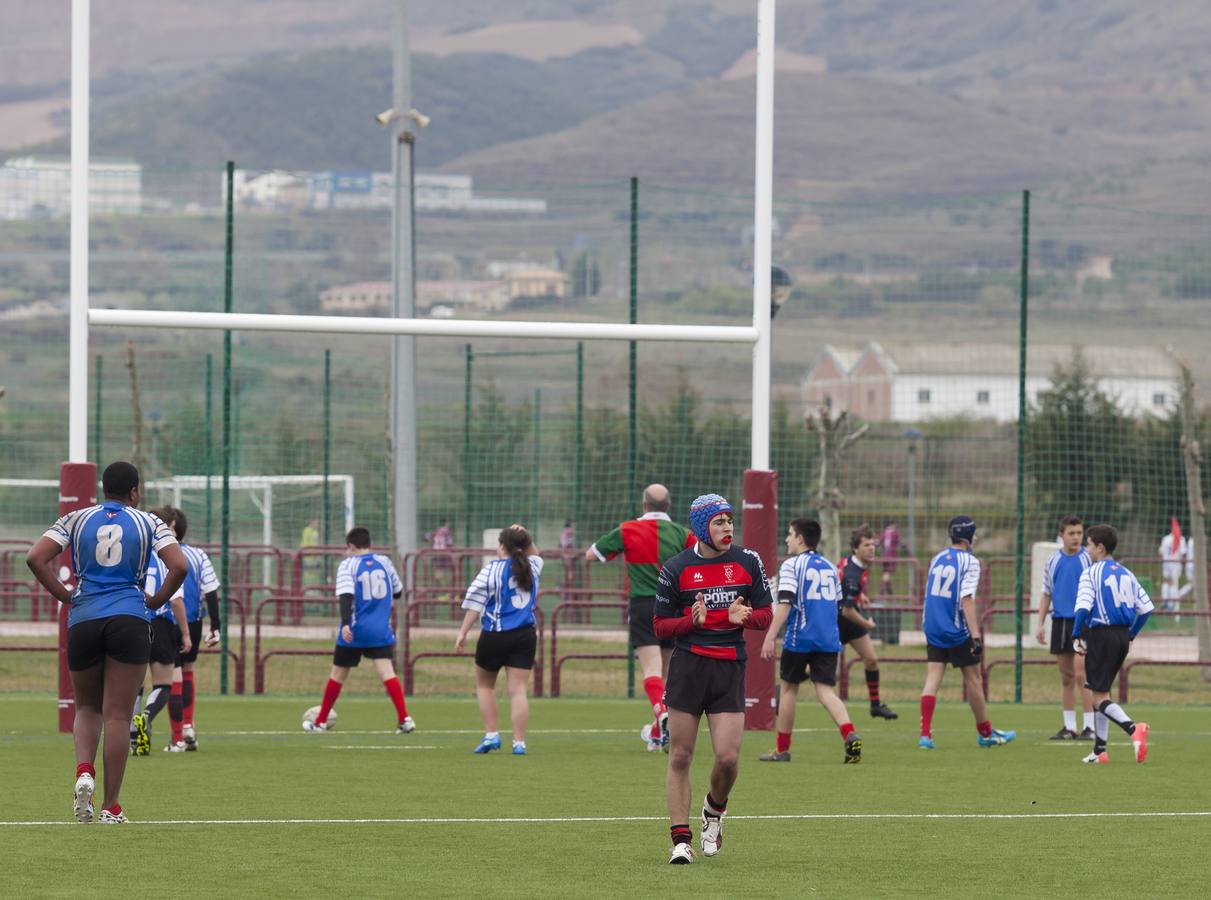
(381,747)
(558,820)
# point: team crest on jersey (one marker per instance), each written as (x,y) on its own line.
(111,513)
(727,573)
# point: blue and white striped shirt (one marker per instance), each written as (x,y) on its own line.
(812,624)
(953,574)
(1111,595)
(494,594)
(111,544)
(1060,580)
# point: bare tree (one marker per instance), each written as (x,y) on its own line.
(1192,457)
(835,435)
(137,457)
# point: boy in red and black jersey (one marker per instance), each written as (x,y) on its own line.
(705,597)
(851,621)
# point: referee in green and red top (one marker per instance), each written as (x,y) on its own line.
(646,544)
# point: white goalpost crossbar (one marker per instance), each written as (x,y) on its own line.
(485,328)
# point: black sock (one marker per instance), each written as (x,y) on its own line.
(1117,715)
(1099,746)
(681,834)
(872,686)
(713,804)
(156,700)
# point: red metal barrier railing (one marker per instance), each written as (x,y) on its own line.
(558,661)
(412,619)
(29,594)
(259,658)
(12,558)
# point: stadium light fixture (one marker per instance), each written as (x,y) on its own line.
(387,116)
(780,283)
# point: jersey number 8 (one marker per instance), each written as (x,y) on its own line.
(109,545)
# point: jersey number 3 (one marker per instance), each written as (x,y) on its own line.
(109,545)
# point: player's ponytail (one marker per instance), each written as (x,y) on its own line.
(516,541)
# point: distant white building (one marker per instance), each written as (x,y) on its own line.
(39,187)
(363,189)
(912,382)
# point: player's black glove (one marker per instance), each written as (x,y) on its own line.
(977,647)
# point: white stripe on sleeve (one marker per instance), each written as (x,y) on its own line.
(477,593)
(1085,589)
(344,576)
(1143,603)
(971,578)
(788,581)
(209,581)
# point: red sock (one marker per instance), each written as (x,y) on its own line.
(846,730)
(784,741)
(116,809)
(176,713)
(332,690)
(188,697)
(654,688)
(86,769)
(396,692)
(927,706)
(984,728)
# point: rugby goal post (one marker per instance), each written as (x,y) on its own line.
(760,679)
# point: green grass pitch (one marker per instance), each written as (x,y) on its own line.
(584,813)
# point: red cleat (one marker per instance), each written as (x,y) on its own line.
(1140,739)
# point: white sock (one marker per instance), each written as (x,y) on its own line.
(491,735)
(1070,719)
(517,743)
(1088,720)
(1102,727)
(1117,715)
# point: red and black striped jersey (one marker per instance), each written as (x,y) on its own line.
(853,582)
(736,573)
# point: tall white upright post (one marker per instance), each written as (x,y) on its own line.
(763,204)
(77,366)
(403,348)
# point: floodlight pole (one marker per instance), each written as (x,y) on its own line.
(762,233)
(77,371)
(403,276)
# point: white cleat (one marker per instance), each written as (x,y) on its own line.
(315,727)
(645,735)
(108,818)
(86,786)
(682,855)
(406,727)
(712,834)
(190,736)
(178,747)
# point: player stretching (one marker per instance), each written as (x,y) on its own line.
(366,584)
(807,605)
(107,641)
(1111,608)
(200,582)
(646,543)
(1060,579)
(853,625)
(952,632)
(705,596)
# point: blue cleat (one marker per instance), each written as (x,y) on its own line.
(519,748)
(487,745)
(926,743)
(997,738)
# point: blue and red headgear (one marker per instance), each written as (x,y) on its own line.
(702,510)
(963,528)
